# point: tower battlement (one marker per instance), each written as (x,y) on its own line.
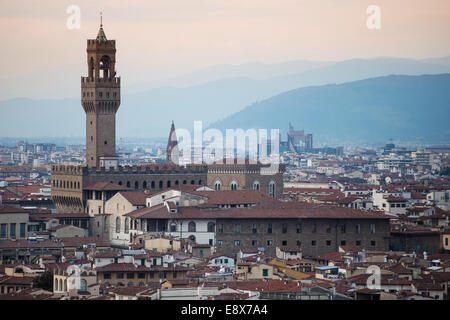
(115,80)
(67,169)
(93,44)
(148,169)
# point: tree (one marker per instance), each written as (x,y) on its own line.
(44,281)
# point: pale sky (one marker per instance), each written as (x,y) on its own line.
(161,38)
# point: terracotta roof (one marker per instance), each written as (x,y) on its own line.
(69,215)
(350,248)
(16,280)
(229,197)
(60,266)
(427,286)
(441,276)
(105,186)
(400,269)
(108,254)
(368,291)
(395,199)
(333,256)
(17,244)
(10,209)
(80,241)
(385,280)
(28,294)
(266,285)
(277,210)
(136,198)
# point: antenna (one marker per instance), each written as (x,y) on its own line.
(101,19)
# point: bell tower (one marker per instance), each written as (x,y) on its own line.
(100,97)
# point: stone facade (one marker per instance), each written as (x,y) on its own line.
(417,242)
(246,177)
(314,236)
(68,182)
(13,223)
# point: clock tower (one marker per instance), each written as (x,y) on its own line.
(100,97)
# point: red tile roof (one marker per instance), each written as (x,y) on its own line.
(105,186)
(229,197)
(9,209)
(279,210)
(16,280)
(80,241)
(136,198)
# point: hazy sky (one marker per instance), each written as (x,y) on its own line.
(161,38)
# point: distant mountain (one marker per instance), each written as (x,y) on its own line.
(445,61)
(252,70)
(149,113)
(406,108)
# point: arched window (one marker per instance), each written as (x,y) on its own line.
(127,225)
(120,183)
(104,67)
(217,185)
(233,185)
(136,185)
(160,184)
(192,182)
(144,185)
(272,189)
(191,226)
(168,184)
(128,184)
(83,285)
(117,224)
(255,185)
(211,227)
(176,182)
(184,182)
(153,184)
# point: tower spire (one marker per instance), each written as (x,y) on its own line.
(172,146)
(101,19)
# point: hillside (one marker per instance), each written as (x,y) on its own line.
(407,108)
